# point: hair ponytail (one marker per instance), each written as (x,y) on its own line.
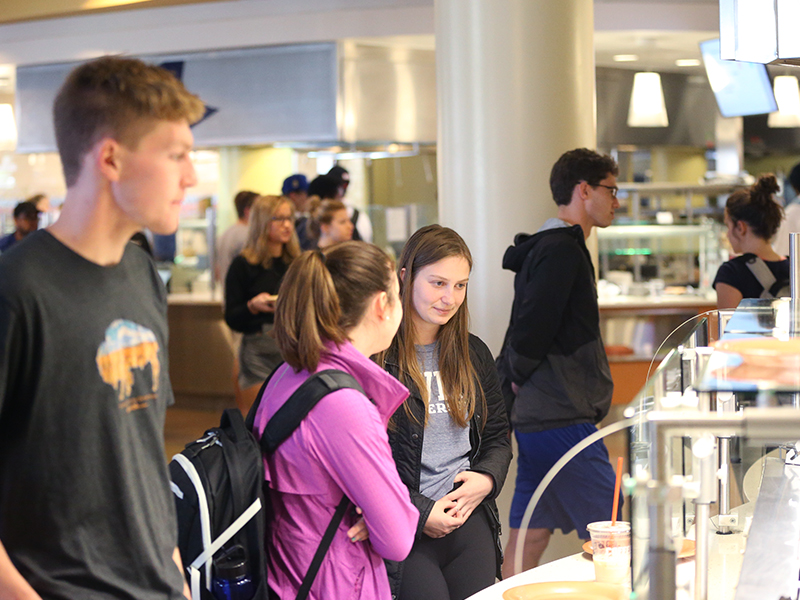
(307,312)
(757,207)
(764,188)
(324,294)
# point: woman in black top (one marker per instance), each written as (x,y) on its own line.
(450,438)
(752,217)
(251,288)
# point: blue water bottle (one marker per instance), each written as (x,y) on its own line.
(231,580)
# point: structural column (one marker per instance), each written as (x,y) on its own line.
(515,89)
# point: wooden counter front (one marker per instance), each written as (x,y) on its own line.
(201,351)
(660,315)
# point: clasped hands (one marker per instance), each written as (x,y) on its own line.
(453,510)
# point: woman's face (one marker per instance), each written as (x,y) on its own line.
(439,290)
(340,229)
(281,225)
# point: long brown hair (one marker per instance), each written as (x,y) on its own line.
(324,294)
(459,380)
(256,248)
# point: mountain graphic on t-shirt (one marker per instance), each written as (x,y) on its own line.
(128,347)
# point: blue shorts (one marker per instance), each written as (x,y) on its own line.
(582,493)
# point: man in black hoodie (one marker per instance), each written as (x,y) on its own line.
(554,360)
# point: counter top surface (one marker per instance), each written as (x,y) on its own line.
(207,298)
(724,566)
(707,301)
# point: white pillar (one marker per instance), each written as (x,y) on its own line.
(516,89)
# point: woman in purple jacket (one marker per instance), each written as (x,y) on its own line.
(335,308)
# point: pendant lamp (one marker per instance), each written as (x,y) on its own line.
(8,128)
(787,96)
(647,108)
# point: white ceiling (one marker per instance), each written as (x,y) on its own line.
(656,50)
(657,31)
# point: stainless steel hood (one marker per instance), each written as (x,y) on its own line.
(386,94)
(309,95)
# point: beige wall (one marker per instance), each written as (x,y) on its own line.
(261,170)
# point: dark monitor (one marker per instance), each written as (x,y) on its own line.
(741,88)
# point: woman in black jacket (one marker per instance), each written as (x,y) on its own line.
(251,288)
(450,438)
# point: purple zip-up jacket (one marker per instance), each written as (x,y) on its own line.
(340,447)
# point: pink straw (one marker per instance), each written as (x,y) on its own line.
(616,491)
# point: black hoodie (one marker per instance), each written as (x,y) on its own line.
(553,350)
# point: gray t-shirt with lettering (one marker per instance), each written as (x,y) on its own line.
(445,445)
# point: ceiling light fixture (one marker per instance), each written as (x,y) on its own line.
(625,58)
(647,107)
(687,62)
(787,96)
(8,128)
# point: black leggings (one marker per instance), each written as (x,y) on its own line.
(455,566)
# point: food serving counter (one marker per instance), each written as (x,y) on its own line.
(201,350)
(633,328)
(699,432)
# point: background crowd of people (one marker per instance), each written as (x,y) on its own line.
(422,450)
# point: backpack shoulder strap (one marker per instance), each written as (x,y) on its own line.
(287,418)
(250,421)
(322,549)
(296,408)
(761,272)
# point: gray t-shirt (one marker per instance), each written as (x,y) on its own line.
(86,510)
(445,445)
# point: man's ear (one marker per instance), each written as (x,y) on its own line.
(107,159)
(583,189)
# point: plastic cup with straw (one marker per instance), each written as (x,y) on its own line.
(611,542)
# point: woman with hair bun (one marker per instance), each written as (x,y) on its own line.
(752,217)
(329,223)
(336,307)
(450,438)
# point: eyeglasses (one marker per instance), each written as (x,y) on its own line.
(281,219)
(611,188)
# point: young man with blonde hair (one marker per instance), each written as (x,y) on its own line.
(85,505)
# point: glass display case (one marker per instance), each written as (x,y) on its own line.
(192,268)
(712,429)
(672,255)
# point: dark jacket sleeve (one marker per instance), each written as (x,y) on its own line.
(424,505)
(237,283)
(540,305)
(494,454)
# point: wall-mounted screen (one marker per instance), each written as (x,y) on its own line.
(741,88)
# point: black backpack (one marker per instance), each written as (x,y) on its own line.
(218,483)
